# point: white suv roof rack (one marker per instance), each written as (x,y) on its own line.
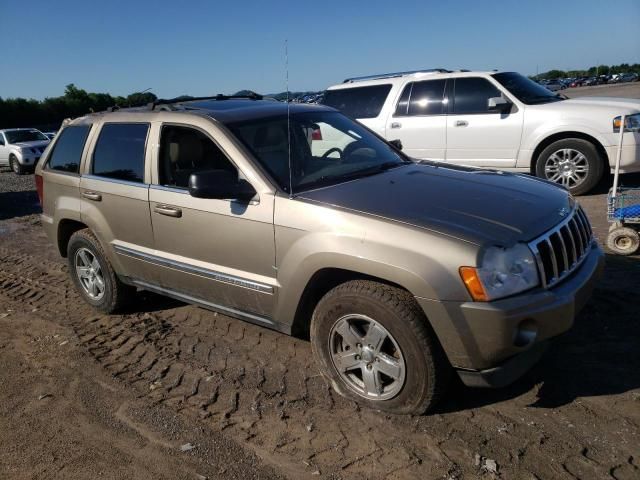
(394,74)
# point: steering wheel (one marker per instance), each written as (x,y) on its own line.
(352,147)
(333,150)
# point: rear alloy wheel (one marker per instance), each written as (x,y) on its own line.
(573,163)
(15,165)
(623,241)
(93,275)
(374,344)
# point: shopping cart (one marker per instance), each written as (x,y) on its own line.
(623,208)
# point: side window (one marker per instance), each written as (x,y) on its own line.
(184,151)
(472,95)
(119,153)
(427,98)
(358,102)
(1,138)
(403,103)
(67,151)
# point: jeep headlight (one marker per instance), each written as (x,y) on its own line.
(631,123)
(502,272)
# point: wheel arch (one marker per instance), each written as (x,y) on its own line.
(320,283)
(66,228)
(544,143)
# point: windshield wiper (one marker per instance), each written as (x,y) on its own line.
(365,172)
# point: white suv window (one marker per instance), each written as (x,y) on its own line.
(358,102)
(472,95)
(422,98)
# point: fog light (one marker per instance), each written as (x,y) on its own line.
(525,333)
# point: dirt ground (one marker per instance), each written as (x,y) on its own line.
(84,395)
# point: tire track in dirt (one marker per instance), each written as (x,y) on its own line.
(263,389)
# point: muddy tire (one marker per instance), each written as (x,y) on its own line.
(93,275)
(15,166)
(573,163)
(623,241)
(373,343)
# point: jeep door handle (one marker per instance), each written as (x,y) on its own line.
(89,195)
(396,125)
(461,123)
(168,211)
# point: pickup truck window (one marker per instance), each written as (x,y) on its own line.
(119,153)
(359,102)
(67,151)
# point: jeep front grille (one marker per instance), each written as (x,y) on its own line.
(561,250)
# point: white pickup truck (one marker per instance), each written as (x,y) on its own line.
(21,148)
(495,119)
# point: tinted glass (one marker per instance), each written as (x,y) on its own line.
(525,89)
(119,152)
(68,149)
(427,98)
(18,136)
(403,102)
(359,102)
(184,151)
(472,95)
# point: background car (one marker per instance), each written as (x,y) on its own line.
(21,148)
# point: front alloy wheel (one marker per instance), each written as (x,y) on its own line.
(567,167)
(367,357)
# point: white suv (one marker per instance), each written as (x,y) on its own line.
(21,148)
(494,119)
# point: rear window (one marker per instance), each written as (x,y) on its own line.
(119,153)
(358,102)
(67,151)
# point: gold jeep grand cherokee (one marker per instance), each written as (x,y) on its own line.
(298,219)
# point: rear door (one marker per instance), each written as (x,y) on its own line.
(114,196)
(476,135)
(419,120)
(220,253)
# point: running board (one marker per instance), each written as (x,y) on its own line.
(232,312)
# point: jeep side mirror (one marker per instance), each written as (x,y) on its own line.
(396,144)
(220,184)
(498,104)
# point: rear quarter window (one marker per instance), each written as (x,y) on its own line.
(68,148)
(358,102)
(119,152)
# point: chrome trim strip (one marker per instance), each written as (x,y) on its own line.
(233,312)
(203,272)
(115,180)
(586,241)
(183,191)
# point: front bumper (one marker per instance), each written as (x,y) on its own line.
(630,156)
(494,343)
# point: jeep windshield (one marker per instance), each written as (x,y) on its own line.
(19,136)
(324,148)
(526,90)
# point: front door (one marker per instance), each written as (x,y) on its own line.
(476,135)
(216,252)
(419,120)
(114,197)
(4,150)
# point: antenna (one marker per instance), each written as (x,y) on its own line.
(286,64)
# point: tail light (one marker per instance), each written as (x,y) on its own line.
(40,189)
(316,134)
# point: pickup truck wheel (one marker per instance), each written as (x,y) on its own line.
(623,241)
(93,275)
(573,163)
(15,166)
(375,346)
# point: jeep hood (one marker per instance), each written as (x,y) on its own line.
(479,206)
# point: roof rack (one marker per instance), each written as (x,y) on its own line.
(154,104)
(395,74)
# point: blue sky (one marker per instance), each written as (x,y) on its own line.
(208,47)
